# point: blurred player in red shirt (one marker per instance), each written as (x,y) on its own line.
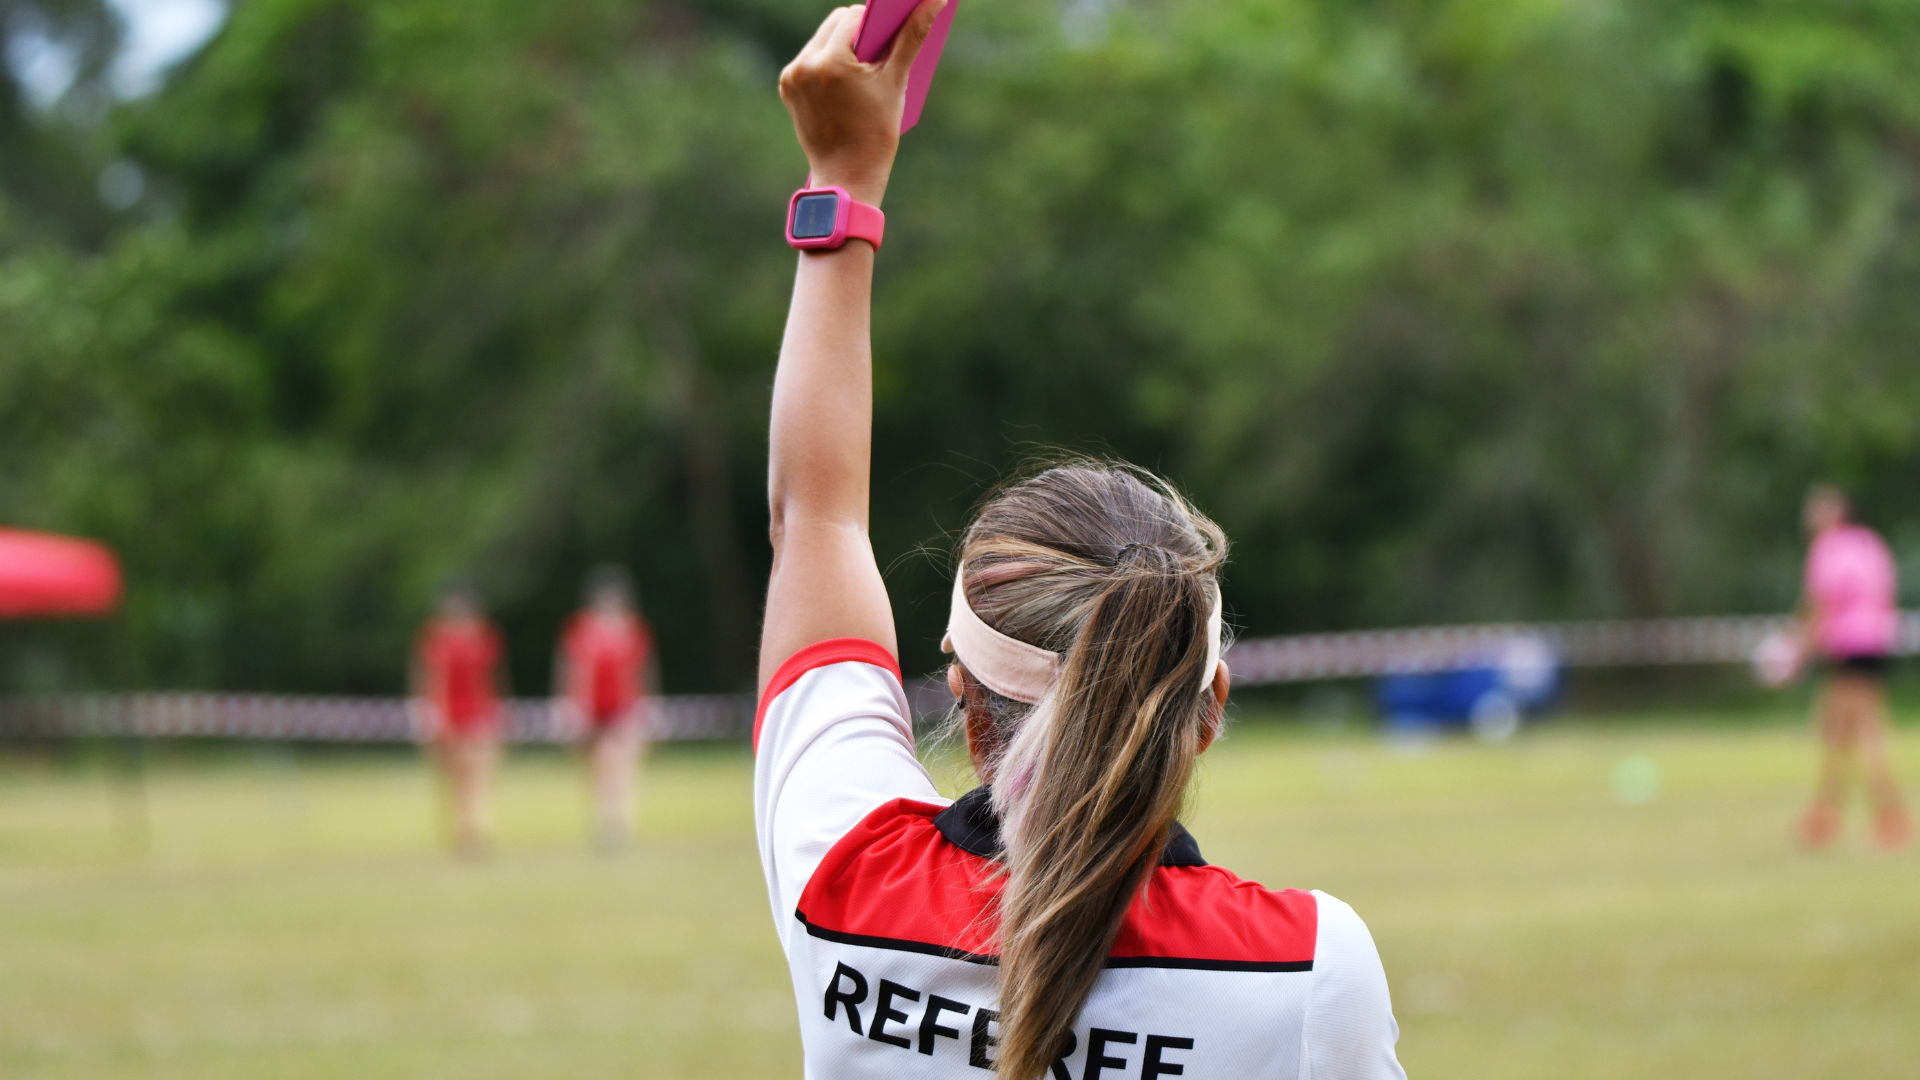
(604,671)
(457,680)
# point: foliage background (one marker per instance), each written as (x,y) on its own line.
(1447,309)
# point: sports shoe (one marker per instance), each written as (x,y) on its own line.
(1820,826)
(609,838)
(1892,829)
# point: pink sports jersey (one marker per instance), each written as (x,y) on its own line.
(1852,587)
(883,897)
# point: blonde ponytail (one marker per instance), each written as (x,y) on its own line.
(1114,571)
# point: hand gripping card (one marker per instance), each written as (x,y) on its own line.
(882,22)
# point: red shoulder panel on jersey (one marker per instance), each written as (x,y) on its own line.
(817,655)
(1205,917)
(895,882)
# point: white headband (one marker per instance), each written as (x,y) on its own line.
(1014,669)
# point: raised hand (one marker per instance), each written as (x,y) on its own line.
(847,113)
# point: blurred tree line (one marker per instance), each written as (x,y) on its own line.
(1447,309)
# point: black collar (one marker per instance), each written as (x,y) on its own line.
(970,825)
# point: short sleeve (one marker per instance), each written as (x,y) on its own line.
(832,742)
(1350,1031)
(1886,572)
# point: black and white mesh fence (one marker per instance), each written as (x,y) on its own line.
(317,718)
(1254,662)
(1605,643)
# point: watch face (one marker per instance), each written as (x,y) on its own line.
(814,215)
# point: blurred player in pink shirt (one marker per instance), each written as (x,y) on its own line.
(1852,622)
(605,671)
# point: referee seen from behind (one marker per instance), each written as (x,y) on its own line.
(1057,923)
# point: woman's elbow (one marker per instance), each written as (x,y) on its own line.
(776,522)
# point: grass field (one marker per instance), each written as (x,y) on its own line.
(1595,900)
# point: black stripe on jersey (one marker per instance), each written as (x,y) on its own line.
(951,953)
(1207,965)
(896,944)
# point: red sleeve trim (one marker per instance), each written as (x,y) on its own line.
(819,655)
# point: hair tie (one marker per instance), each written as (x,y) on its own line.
(1121,555)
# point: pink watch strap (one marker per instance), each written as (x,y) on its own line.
(865,223)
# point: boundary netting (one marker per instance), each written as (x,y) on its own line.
(682,717)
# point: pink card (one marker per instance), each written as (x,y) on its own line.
(883,20)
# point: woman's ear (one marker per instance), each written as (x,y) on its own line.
(1222,684)
(976,729)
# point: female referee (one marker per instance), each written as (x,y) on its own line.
(1059,923)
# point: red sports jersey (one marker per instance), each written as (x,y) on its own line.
(604,658)
(883,894)
(459,663)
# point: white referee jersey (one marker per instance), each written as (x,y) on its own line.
(882,895)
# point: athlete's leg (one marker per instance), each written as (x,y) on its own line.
(460,775)
(613,759)
(440,758)
(488,769)
(1890,824)
(474,754)
(1834,720)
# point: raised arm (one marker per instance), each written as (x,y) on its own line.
(825,582)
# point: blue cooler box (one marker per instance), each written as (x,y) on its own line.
(1491,691)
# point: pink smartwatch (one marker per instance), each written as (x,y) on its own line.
(823,218)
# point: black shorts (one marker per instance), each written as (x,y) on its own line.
(1870,665)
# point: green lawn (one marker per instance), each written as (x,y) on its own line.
(1544,910)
